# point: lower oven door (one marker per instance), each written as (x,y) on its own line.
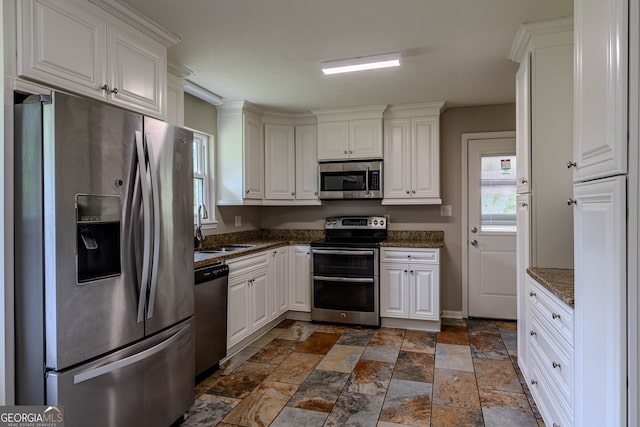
(345,300)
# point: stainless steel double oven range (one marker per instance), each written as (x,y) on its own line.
(345,271)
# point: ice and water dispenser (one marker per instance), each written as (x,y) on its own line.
(97,237)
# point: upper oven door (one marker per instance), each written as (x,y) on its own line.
(350,180)
(344,263)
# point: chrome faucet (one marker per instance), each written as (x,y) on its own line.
(202,214)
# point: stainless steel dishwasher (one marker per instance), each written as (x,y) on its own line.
(211,316)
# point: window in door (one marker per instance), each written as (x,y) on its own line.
(498,193)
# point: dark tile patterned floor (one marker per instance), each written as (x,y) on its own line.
(304,374)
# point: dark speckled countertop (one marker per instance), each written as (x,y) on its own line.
(559,281)
(268,239)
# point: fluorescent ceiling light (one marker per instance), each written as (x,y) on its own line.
(361,63)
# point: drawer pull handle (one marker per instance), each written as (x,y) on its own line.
(534,382)
(532,294)
(532,333)
(555,315)
(555,365)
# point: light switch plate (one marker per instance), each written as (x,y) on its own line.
(446,210)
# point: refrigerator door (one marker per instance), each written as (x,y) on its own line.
(91,283)
(171,289)
(147,384)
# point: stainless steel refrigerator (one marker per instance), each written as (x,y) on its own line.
(104,263)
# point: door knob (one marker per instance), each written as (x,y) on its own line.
(474,243)
(474,229)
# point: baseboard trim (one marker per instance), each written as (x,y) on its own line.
(416,325)
(452,314)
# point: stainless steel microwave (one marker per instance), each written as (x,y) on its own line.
(350,180)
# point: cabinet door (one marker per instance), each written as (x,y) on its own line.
(600,302)
(253,157)
(523,251)
(523,126)
(333,140)
(397,162)
(62,44)
(365,139)
(175,100)
(137,71)
(393,290)
(306,163)
(424,292)
(259,297)
(601,61)
(238,309)
(279,151)
(280,282)
(425,158)
(300,278)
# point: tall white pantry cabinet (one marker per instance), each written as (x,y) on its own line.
(600,203)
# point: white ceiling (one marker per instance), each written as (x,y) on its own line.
(268,51)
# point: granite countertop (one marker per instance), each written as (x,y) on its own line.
(261,240)
(559,281)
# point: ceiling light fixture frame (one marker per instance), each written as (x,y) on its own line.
(361,63)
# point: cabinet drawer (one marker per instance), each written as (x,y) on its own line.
(248,263)
(553,411)
(554,313)
(555,359)
(431,256)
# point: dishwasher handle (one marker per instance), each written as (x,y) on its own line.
(207,274)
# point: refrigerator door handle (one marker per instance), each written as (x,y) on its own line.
(146,214)
(127,361)
(155,192)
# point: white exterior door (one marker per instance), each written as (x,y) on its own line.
(491,234)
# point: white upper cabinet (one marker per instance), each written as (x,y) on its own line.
(412,155)
(601,82)
(240,150)
(280,162)
(523,125)
(306,163)
(86,49)
(350,134)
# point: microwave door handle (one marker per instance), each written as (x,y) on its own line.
(366,180)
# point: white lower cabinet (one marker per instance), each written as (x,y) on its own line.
(550,355)
(279,280)
(410,283)
(300,278)
(248,300)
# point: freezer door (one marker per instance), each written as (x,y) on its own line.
(171,289)
(89,215)
(148,384)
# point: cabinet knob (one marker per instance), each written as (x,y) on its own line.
(555,315)
(306,253)
(571,201)
(532,333)
(534,382)
(293,194)
(408,192)
(350,152)
(524,205)
(114,91)
(571,164)
(556,425)
(105,88)
(405,271)
(555,365)
(411,271)
(523,180)
(247,192)
(345,151)
(532,294)
(315,193)
(413,191)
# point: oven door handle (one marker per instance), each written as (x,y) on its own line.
(334,252)
(344,279)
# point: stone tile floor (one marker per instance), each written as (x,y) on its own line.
(304,374)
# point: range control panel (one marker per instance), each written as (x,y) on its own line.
(356,222)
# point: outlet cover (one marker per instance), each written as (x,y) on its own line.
(238,221)
(446,210)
